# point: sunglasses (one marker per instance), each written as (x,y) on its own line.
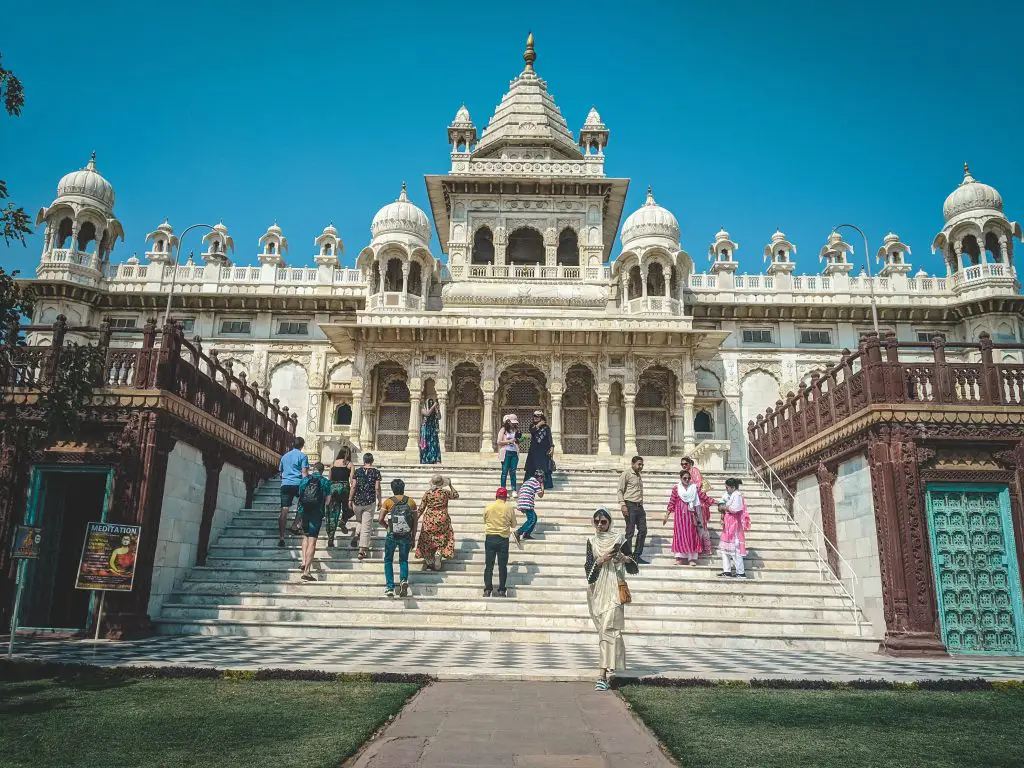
(601,521)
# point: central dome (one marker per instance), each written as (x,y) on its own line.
(971,195)
(89,183)
(650,220)
(401,216)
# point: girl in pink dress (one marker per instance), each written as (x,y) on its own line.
(690,509)
(735,522)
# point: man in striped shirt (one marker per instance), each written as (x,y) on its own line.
(529,492)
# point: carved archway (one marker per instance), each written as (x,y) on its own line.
(522,389)
(391,432)
(579,411)
(654,405)
(466,409)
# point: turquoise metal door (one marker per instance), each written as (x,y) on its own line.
(975,562)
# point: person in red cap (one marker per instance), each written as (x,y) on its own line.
(499,520)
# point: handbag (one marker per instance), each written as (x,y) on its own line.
(625,596)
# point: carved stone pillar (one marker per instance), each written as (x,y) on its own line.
(689,439)
(442,419)
(486,438)
(356,427)
(603,445)
(828,515)
(412,445)
(630,428)
(908,590)
(556,420)
(214,463)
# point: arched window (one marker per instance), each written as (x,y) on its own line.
(525,246)
(568,254)
(270,247)
(86,235)
(64,233)
(970,251)
(994,254)
(483,246)
(393,276)
(343,415)
(327,249)
(160,246)
(703,422)
(635,288)
(415,279)
(655,279)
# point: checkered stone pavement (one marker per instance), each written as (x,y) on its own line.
(469,660)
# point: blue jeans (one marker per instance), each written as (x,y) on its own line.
(508,468)
(531,521)
(390,545)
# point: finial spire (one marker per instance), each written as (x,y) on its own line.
(650,196)
(403,197)
(92,161)
(529,55)
(967,175)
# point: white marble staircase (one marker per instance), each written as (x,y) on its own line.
(251,587)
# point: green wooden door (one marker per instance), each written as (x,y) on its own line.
(975,563)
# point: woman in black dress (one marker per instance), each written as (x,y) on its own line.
(541,449)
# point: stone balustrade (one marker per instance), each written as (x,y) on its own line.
(531,272)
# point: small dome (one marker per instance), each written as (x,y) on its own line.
(721,234)
(891,238)
(219,227)
(650,220)
(89,183)
(401,216)
(462,116)
(330,230)
(274,229)
(778,235)
(593,118)
(969,196)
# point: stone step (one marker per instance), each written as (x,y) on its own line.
(404,613)
(732,640)
(519,574)
(370,582)
(751,596)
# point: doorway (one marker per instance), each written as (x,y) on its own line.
(62,501)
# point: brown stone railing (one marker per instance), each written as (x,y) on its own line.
(881,371)
(165,361)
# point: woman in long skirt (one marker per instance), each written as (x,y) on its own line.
(609,559)
(690,510)
(436,541)
(735,524)
(430,444)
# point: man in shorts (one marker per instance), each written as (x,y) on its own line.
(314,491)
(293,467)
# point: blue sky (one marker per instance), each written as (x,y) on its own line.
(748,115)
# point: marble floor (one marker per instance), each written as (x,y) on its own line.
(528,661)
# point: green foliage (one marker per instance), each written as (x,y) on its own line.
(16,303)
(14,222)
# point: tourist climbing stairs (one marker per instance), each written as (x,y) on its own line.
(249,586)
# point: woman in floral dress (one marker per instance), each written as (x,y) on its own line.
(430,444)
(437,539)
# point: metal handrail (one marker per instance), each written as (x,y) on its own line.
(822,561)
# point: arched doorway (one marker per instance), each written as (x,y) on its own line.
(392,430)
(758,392)
(654,400)
(579,412)
(289,383)
(525,246)
(467,409)
(522,389)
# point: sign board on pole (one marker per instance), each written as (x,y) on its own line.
(108,557)
(27,541)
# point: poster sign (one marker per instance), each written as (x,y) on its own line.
(108,557)
(27,541)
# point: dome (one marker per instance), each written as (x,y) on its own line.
(273,229)
(969,196)
(650,220)
(462,116)
(721,234)
(89,183)
(593,118)
(401,216)
(330,230)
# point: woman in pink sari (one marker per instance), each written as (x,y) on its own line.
(690,509)
(735,523)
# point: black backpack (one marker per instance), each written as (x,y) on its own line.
(312,497)
(400,514)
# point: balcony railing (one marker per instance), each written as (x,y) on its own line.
(653,305)
(165,361)
(530,272)
(876,374)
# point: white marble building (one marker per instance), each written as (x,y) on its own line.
(530,303)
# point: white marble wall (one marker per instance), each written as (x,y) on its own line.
(807,513)
(180,516)
(857,536)
(230,499)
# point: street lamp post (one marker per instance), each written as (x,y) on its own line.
(174,272)
(867,266)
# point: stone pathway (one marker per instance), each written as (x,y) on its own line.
(519,724)
(452,660)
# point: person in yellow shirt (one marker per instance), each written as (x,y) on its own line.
(499,520)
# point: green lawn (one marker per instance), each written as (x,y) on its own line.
(102,720)
(716,727)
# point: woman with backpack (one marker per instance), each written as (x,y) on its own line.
(399,515)
(314,490)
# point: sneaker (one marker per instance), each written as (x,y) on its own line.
(308,577)
(641,561)
(601,685)
(355,541)
(741,576)
(403,589)
(280,543)
(502,593)
(487,593)
(519,539)
(528,536)
(515,494)
(727,574)
(389,592)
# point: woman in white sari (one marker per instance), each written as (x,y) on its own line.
(608,560)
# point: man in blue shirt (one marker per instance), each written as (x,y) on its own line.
(293,467)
